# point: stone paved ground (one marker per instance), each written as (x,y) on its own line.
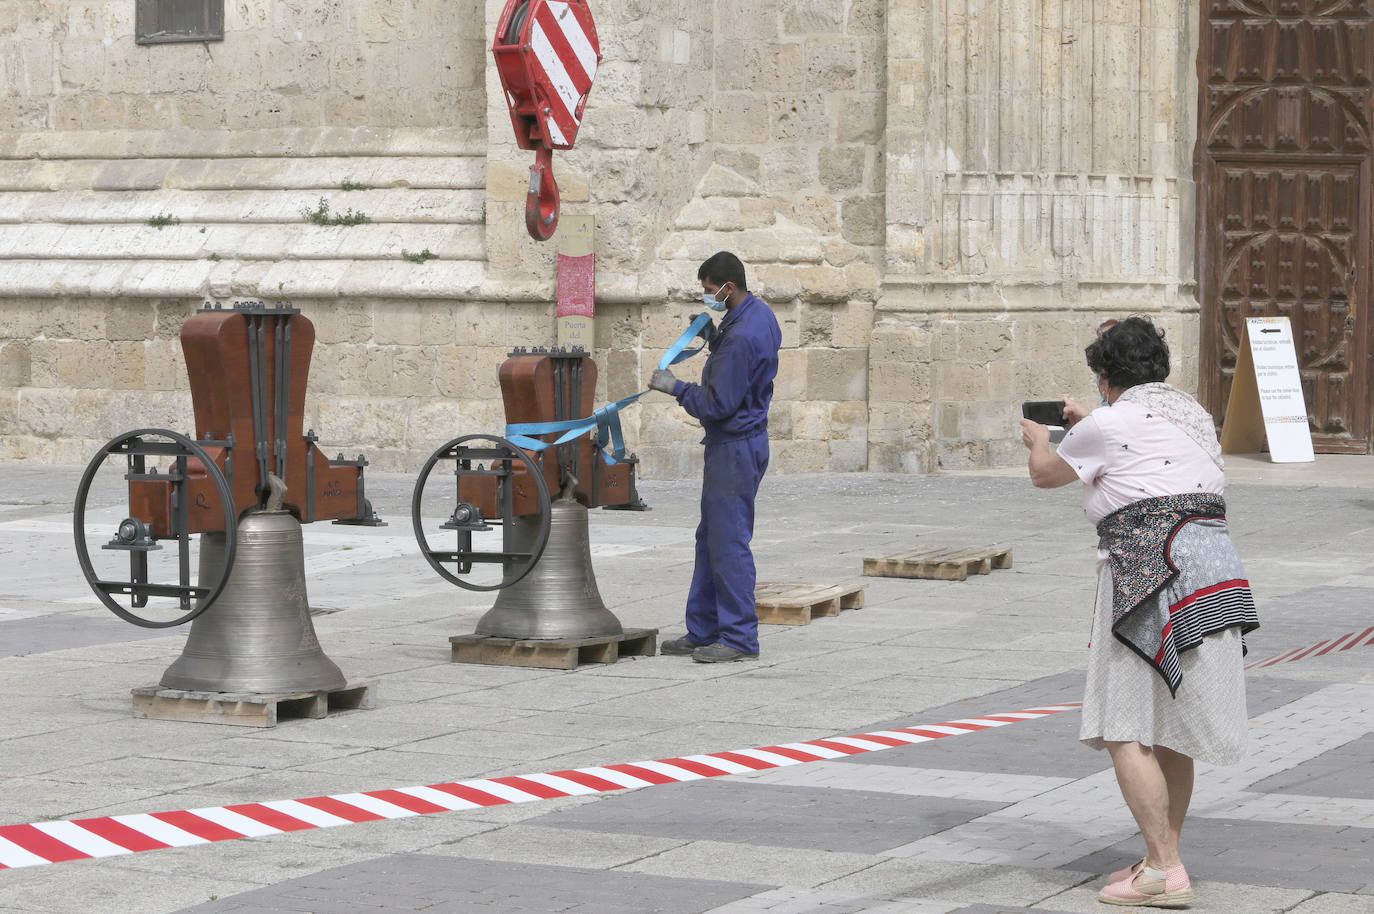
(1016,819)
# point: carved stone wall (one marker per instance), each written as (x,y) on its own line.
(940,198)
(1038,181)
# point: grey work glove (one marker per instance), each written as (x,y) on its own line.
(663,380)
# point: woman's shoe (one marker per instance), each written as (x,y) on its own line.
(1151,888)
(1127,873)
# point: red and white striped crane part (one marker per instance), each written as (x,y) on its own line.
(38,843)
(566,53)
(1343,643)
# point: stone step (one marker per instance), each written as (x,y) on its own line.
(243,173)
(229,278)
(182,142)
(239,206)
(383,241)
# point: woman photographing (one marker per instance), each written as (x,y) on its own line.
(1165,683)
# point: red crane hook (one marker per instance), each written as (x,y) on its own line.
(541,203)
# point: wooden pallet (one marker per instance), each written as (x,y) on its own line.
(797,604)
(250,709)
(554,653)
(940,563)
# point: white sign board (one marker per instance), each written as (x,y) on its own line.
(1266,401)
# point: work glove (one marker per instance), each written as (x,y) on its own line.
(663,380)
(708,332)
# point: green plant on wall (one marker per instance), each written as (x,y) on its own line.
(321,215)
(162,219)
(420,257)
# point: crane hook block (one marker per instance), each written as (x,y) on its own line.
(546,55)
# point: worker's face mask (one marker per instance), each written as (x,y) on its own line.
(712,302)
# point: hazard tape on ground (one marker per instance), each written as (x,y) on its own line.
(1343,643)
(38,843)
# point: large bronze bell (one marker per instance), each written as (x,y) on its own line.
(258,636)
(558,598)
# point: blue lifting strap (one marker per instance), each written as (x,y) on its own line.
(606,420)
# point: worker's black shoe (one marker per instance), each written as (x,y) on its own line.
(678,647)
(720,653)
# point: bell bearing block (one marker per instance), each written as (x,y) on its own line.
(543,386)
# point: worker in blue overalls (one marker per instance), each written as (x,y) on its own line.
(731,403)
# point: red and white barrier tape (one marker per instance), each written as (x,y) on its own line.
(1343,643)
(38,843)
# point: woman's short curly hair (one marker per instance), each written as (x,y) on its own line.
(1128,353)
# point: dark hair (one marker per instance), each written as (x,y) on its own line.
(723,267)
(1128,353)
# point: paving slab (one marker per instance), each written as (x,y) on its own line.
(419,882)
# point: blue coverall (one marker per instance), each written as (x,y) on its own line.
(732,404)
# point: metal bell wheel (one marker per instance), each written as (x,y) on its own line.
(494,458)
(135,537)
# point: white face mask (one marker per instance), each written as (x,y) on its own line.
(711,301)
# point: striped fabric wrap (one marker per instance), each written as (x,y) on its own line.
(1176,578)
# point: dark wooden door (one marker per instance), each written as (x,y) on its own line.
(1283,172)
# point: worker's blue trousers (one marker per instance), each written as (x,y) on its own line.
(720,605)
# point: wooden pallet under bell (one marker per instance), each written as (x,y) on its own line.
(779,603)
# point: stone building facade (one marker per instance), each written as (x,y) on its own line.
(940,198)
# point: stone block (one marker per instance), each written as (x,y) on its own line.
(370,422)
(739,117)
(816,326)
(832,63)
(761,66)
(790,383)
(798,117)
(862,220)
(756,19)
(339,321)
(867,17)
(962,381)
(776,283)
(820,212)
(799,456)
(779,420)
(852,325)
(14,364)
(849,456)
(26,448)
(894,341)
(860,117)
(836,374)
(864,280)
(757,212)
(901,379)
(130,320)
(9,411)
(811,420)
(980,341)
(431,422)
(823,284)
(164,366)
(807,17)
(49,413)
(413,323)
(989,420)
(954,455)
(23,319)
(841,168)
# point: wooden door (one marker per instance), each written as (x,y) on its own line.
(1283,172)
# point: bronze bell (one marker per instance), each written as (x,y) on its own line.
(258,637)
(558,598)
